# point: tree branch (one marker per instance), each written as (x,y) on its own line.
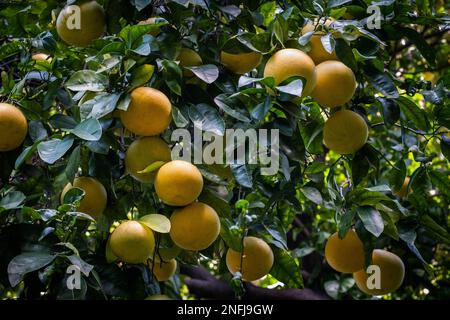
(204,285)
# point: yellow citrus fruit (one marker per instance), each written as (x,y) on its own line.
(149,113)
(152,20)
(81,27)
(404,190)
(194,227)
(287,63)
(240,63)
(336,84)
(254,263)
(178,183)
(132,242)
(41,57)
(345,255)
(142,153)
(13,127)
(158,297)
(164,270)
(317,52)
(189,58)
(345,132)
(392,273)
(95,198)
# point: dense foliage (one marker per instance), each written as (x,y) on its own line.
(72,102)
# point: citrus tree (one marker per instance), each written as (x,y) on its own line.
(95,203)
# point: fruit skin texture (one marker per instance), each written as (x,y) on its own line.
(345,255)
(317,52)
(189,58)
(95,198)
(392,272)
(194,227)
(257,259)
(149,113)
(336,84)
(142,153)
(178,183)
(13,127)
(345,132)
(240,63)
(164,270)
(287,63)
(404,190)
(92,24)
(132,242)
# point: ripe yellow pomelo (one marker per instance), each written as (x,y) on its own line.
(194,227)
(142,153)
(345,132)
(41,57)
(132,242)
(317,52)
(336,84)
(164,270)
(254,263)
(287,63)
(189,58)
(149,112)
(81,27)
(13,127)
(95,198)
(178,183)
(240,63)
(392,273)
(345,255)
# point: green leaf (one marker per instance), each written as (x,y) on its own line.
(360,166)
(26,154)
(312,194)
(382,82)
(100,106)
(227,105)
(345,54)
(25,263)
(156,222)
(206,118)
(441,181)
(345,222)
(87,80)
(391,111)
(13,200)
(286,269)
(73,164)
(328,42)
(372,220)
(421,44)
(397,175)
(89,130)
(293,88)
(152,167)
(52,150)
(207,73)
(337,3)
(73,195)
(242,175)
(141,75)
(172,75)
(413,113)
